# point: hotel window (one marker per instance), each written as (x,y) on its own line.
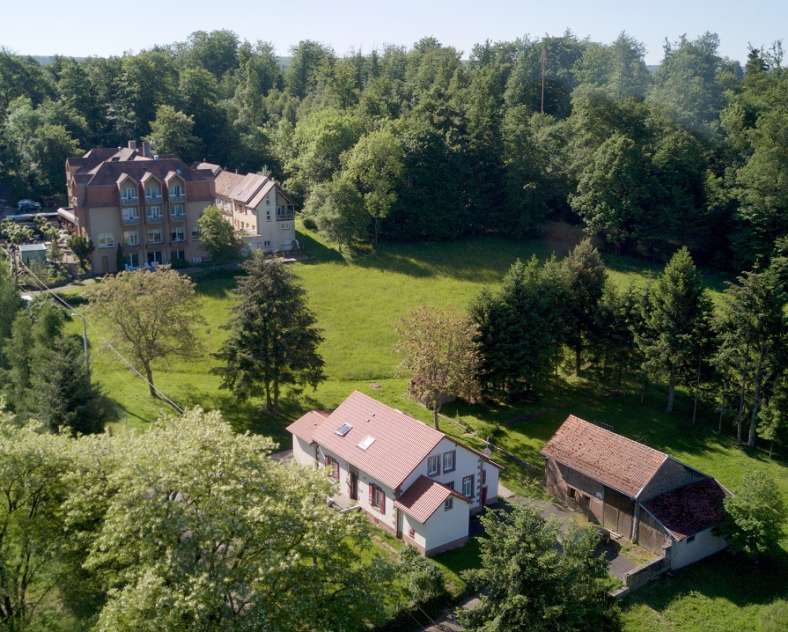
(154,236)
(154,256)
(152,191)
(177,210)
(434,465)
(154,212)
(196,232)
(177,234)
(106,240)
(377,498)
(449,459)
(179,255)
(131,238)
(132,260)
(332,466)
(467,486)
(129,192)
(176,190)
(131,214)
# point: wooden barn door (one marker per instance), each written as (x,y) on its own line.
(617,512)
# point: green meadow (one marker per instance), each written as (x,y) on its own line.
(358,302)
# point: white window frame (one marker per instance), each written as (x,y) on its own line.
(105,240)
(174,234)
(471,480)
(154,215)
(177,210)
(131,242)
(130,213)
(434,465)
(453,455)
(124,192)
(151,240)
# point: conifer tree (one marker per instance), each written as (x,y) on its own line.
(676,323)
(585,282)
(753,340)
(273,340)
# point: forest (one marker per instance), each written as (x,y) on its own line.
(433,143)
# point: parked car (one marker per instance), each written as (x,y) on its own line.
(28,206)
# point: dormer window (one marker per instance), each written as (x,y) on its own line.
(152,191)
(128,192)
(176,189)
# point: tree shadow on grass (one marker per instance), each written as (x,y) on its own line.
(316,252)
(722,576)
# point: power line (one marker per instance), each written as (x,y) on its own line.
(163,396)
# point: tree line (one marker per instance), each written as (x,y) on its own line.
(421,143)
(512,342)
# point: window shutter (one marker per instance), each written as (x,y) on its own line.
(371,495)
(382,501)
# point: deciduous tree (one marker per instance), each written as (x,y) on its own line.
(150,315)
(756,514)
(441,354)
(218,235)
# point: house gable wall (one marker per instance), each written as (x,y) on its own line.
(466,463)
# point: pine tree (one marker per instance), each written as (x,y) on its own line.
(676,323)
(585,282)
(753,339)
(521,329)
(273,340)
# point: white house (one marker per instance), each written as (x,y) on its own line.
(257,207)
(411,479)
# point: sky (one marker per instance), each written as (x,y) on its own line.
(96,27)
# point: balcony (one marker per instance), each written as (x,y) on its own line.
(285,216)
(177,214)
(153,219)
(127,200)
(131,220)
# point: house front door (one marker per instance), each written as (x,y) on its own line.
(353,485)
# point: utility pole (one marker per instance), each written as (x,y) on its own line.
(544,63)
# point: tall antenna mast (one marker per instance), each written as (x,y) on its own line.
(544,62)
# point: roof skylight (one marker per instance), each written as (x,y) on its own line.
(343,429)
(366,442)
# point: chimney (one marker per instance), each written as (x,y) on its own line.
(146,149)
(132,144)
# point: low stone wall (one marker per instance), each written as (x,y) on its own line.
(642,575)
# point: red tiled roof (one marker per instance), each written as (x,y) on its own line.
(400,444)
(304,426)
(612,459)
(687,510)
(423,497)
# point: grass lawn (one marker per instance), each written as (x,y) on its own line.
(357,304)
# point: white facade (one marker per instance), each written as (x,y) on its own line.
(444,528)
(467,463)
(269,227)
(694,548)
